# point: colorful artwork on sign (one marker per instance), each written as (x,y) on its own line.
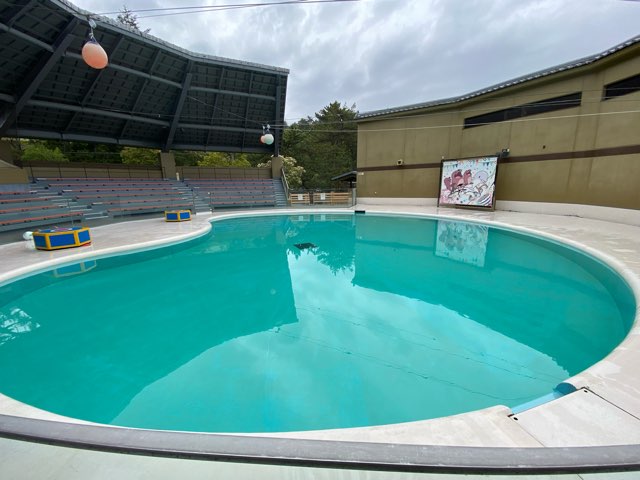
(463,242)
(468,182)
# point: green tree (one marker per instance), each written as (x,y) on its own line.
(256,159)
(187,157)
(130,19)
(292,170)
(89,152)
(74,151)
(325,145)
(220,159)
(140,156)
(35,151)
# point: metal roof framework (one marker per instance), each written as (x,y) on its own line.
(152,94)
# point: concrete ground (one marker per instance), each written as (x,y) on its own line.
(605,410)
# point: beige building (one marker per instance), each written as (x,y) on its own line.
(572,133)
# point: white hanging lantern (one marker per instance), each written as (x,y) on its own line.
(267,137)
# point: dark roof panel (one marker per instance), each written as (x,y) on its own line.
(151,94)
(44,24)
(16,58)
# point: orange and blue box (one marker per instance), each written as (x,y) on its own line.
(56,238)
(177,215)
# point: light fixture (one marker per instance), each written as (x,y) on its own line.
(267,137)
(92,52)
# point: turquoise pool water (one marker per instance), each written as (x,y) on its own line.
(369,320)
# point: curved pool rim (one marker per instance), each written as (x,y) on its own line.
(334,453)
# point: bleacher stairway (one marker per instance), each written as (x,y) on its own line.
(57,201)
(281,197)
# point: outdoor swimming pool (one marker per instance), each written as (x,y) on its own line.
(369,320)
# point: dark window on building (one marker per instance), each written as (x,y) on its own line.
(543,106)
(622,87)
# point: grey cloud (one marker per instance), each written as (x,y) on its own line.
(385,53)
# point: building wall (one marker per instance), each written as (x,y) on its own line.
(588,154)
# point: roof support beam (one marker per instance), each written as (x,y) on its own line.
(101,73)
(98,112)
(176,84)
(136,104)
(278,128)
(220,148)
(186,83)
(195,126)
(235,94)
(27,133)
(215,105)
(26,37)
(37,74)
(19,12)
(246,111)
(94,83)
(131,71)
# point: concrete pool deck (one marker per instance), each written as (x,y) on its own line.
(604,411)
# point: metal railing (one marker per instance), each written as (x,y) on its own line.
(285,184)
(321,197)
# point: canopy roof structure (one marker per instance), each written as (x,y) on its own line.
(151,94)
(350,177)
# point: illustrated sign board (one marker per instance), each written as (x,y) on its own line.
(462,242)
(468,182)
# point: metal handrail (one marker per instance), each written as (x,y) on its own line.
(285,184)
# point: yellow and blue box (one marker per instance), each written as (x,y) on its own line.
(56,238)
(177,215)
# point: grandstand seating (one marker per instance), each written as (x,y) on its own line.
(235,193)
(117,197)
(49,201)
(29,209)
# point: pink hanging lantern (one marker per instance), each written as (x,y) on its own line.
(94,55)
(262,139)
(92,52)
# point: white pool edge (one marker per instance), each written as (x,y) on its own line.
(631,342)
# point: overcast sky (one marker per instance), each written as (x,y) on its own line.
(387,53)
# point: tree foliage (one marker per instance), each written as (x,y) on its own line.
(130,19)
(140,156)
(187,158)
(88,152)
(325,145)
(36,151)
(219,159)
(82,152)
(292,170)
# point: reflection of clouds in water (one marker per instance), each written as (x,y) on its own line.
(14,323)
(332,311)
(333,368)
